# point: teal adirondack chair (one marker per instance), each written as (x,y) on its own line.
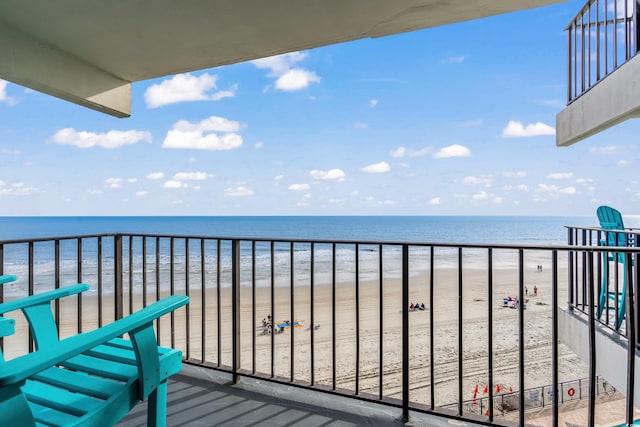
(611,221)
(89,379)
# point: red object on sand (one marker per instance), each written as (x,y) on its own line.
(498,388)
(486,389)
(510,390)
(486,412)
(476,389)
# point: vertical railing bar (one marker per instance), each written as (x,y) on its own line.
(131,277)
(582,55)
(57,283)
(592,346)
(357,319)
(100,281)
(253,306)
(626,31)
(172,285)
(79,280)
(460,342)
(490,330)
(273,314)
(218,302)
(291,311)
(312,303)
(187,285)
(584,272)
(235,309)
(569,66)
(598,40)
(575,60)
(31,288)
(570,295)
(118,277)
(521,297)
(405,334)
(432,352)
(144,271)
(158,285)
(615,34)
(589,46)
(333,316)
(606,37)
(554,336)
(381,325)
(631,335)
(203,300)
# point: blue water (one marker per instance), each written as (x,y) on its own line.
(539,231)
(458,229)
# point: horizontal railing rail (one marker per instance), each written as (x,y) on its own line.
(487,312)
(601,38)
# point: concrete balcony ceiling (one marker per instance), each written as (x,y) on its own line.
(90,51)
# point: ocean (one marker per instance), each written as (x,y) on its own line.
(530,230)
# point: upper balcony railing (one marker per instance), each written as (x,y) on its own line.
(484,348)
(602,37)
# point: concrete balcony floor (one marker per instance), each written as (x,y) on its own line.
(204,397)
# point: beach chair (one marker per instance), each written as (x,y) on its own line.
(90,379)
(614,235)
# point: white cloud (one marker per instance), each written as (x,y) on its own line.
(3,94)
(516,129)
(360,125)
(278,178)
(337,174)
(9,152)
(95,192)
(190,176)
(299,187)
(258,145)
(519,174)
(483,195)
(609,149)
(435,201)
(114,182)
(111,139)
(155,175)
(408,152)
(296,79)
(174,184)
(141,193)
(288,77)
(239,191)
(481,180)
(555,191)
(454,150)
(185,87)
(373,103)
(623,163)
(454,60)
(202,136)
(469,123)
(16,189)
(380,167)
(560,175)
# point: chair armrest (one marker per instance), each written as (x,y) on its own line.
(7,278)
(17,370)
(43,297)
(7,327)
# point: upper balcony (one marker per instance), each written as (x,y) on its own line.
(473,353)
(602,69)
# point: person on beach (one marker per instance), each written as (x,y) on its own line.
(526,291)
(535,291)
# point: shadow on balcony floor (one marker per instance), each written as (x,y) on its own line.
(204,397)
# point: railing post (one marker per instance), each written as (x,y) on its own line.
(235,307)
(405,333)
(631,335)
(570,296)
(118,291)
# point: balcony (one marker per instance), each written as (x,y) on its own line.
(473,354)
(603,42)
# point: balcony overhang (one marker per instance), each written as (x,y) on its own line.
(90,51)
(613,100)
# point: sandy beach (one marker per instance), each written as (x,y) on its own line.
(474,351)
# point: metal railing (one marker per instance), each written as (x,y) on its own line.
(358,337)
(601,37)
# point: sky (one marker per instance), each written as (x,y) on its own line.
(453,120)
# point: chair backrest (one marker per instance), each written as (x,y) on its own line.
(611,219)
